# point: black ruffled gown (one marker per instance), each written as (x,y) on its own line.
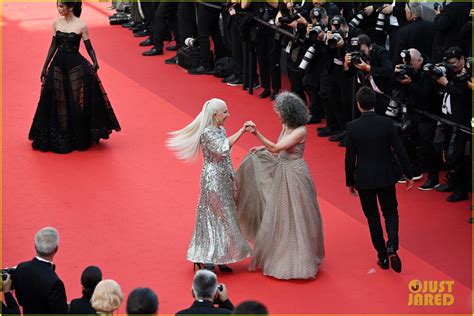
(74,110)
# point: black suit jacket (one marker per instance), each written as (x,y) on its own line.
(10,307)
(81,306)
(370,163)
(418,34)
(38,289)
(206,307)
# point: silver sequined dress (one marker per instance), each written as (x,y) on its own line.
(217,238)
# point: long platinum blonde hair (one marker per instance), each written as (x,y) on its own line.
(186,142)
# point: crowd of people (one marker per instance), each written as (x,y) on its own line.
(416,58)
(39,290)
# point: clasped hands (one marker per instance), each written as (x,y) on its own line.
(250,127)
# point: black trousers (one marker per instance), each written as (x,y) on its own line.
(166,17)
(421,134)
(268,56)
(458,148)
(387,199)
(296,77)
(236,45)
(149,9)
(187,26)
(340,96)
(208,26)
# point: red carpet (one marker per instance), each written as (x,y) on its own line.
(128,205)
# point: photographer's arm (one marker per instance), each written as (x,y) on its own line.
(10,302)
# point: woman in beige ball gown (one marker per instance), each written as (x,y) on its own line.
(276,199)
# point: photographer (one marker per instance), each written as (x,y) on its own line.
(313,63)
(447,24)
(9,306)
(418,33)
(294,17)
(421,93)
(207,292)
(339,85)
(375,65)
(268,49)
(457,108)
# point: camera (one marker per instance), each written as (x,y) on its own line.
(332,42)
(191,42)
(404,70)
(288,19)
(357,57)
(266,14)
(437,71)
(357,19)
(438,5)
(405,54)
(314,33)
(120,18)
(381,18)
(8,271)
(308,57)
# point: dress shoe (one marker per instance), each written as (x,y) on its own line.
(395,261)
(230,78)
(338,137)
(153,52)
(457,197)
(445,188)
(274,95)
(265,94)
(256,85)
(172,48)
(323,128)
(470,220)
(236,82)
(172,60)
(209,266)
(383,263)
(429,185)
(128,24)
(342,143)
(142,33)
(415,178)
(327,133)
(201,70)
(224,268)
(146,42)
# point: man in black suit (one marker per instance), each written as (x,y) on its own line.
(206,291)
(37,287)
(417,34)
(372,170)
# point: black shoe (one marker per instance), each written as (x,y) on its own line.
(265,94)
(172,48)
(231,78)
(224,268)
(457,197)
(338,137)
(197,265)
(383,263)
(274,95)
(342,143)
(201,70)
(470,220)
(141,33)
(324,128)
(395,261)
(235,83)
(128,24)
(327,133)
(314,120)
(172,60)
(153,52)
(209,266)
(146,42)
(445,188)
(429,185)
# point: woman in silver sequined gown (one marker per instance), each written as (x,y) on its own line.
(217,238)
(276,200)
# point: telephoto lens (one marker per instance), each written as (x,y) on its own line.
(191,42)
(307,58)
(380,24)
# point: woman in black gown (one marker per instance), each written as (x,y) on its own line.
(73,111)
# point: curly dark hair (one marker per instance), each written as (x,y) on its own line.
(292,109)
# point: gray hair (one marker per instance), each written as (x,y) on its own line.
(46,241)
(205,284)
(292,109)
(416,8)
